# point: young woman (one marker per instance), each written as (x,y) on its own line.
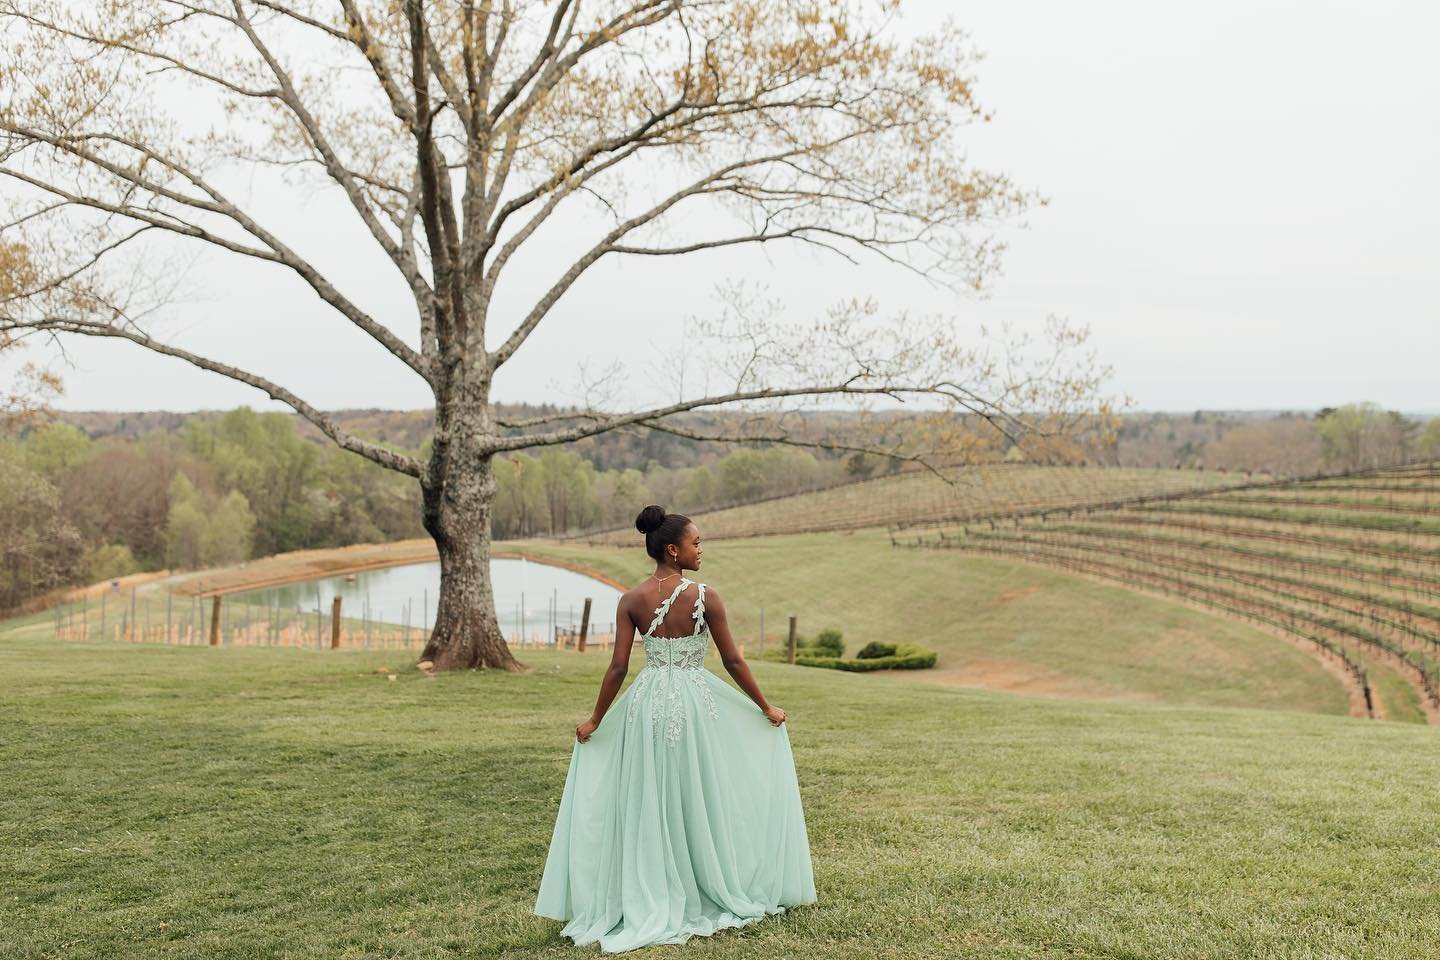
(681,811)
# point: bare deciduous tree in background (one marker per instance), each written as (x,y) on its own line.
(456,131)
(25,400)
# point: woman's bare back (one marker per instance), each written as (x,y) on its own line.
(641,603)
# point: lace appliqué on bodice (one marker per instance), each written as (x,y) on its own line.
(669,661)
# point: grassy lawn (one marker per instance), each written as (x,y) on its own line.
(257,803)
(1401,701)
(996,623)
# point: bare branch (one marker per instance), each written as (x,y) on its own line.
(706,184)
(403,259)
(546,51)
(891,453)
(610,422)
(278,252)
(437,209)
(381,455)
(369,47)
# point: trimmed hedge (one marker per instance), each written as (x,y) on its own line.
(906,656)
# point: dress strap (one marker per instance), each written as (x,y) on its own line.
(699,612)
(664,607)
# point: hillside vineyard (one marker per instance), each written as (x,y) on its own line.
(1348,564)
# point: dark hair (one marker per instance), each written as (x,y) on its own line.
(660,528)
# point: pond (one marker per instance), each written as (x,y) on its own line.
(536,596)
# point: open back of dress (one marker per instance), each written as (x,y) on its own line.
(674,621)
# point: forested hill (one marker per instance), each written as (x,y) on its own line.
(1279,442)
(101,494)
(97,495)
(408,430)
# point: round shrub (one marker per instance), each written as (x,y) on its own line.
(828,643)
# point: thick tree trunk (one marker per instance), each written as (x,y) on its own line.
(458,499)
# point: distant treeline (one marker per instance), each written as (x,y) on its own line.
(1282,443)
(217,489)
(213,491)
(97,495)
(1351,437)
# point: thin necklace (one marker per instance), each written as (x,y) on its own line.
(660,580)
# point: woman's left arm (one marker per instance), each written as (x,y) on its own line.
(719,622)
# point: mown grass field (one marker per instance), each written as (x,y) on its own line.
(996,623)
(268,803)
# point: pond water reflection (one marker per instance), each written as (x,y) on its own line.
(538,596)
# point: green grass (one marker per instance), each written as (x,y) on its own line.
(172,802)
(1401,700)
(1039,630)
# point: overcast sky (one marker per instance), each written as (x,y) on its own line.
(1243,208)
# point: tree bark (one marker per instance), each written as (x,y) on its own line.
(458,496)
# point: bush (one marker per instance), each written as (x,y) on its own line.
(906,656)
(828,643)
(874,656)
(110,561)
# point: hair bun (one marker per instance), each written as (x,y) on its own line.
(650,518)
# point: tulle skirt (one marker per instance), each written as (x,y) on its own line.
(680,816)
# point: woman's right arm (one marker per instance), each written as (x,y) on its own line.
(614,674)
(732,659)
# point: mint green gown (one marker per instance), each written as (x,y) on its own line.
(681,814)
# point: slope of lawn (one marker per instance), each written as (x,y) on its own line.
(186,802)
(996,623)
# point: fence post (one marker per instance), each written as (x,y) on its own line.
(584,625)
(790,656)
(215,622)
(335,623)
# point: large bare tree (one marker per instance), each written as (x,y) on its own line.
(456,131)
